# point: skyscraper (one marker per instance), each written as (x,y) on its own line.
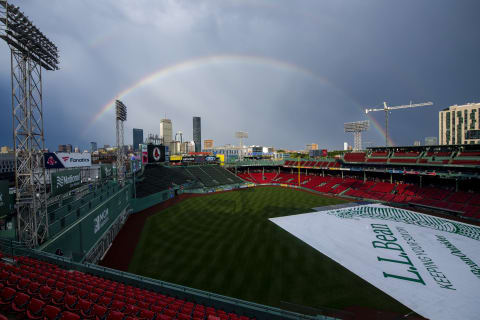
(197,134)
(166,131)
(137,138)
(93,146)
(207,144)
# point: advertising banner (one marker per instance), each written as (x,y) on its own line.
(64,181)
(176,158)
(144,149)
(429,264)
(324,153)
(61,160)
(188,159)
(106,171)
(4,197)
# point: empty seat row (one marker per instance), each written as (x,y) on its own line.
(30,281)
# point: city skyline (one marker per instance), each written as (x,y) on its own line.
(285,90)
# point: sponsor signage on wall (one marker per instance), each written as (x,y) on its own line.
(188,159)
(4,197)
(100,220)
(429,264)
(66,180)
(61,160)
(106,171)
(324,153)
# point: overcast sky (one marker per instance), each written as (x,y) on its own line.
(287,72)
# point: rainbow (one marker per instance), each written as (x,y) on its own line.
(380,129)
(192,64)
(198,62)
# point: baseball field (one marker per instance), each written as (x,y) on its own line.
(224,243)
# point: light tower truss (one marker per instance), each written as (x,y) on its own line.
(357,128)
(240,135)
(30,51)
(121,117)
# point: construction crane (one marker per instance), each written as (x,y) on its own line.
(387,109)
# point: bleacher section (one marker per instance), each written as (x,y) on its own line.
(354,157)
(404,156)
(463,203)
(40,290)
(158,178)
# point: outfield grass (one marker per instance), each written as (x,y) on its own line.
(224,243)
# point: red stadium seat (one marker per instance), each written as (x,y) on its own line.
(57,297)
(22,284)
(13,280)
(71,302)
(67,315)
(51,312)
(6,296)
(4,275)
(146,314)
(99,311)
(131,310)
(20,303)
(85,308)
(35,309)
(115,315)
(117,305)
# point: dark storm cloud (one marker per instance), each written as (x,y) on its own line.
(360,53)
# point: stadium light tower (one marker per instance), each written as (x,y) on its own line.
(388,109)
(240,135)
(30,51)
(121,117)
(357,128)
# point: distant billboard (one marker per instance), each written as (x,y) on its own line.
(144,150)
(156,153)
(324,153)
(66,180)
(62,160)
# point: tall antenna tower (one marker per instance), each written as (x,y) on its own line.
(30,52)
(121,117)
(357,128)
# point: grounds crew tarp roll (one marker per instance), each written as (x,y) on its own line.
(429,264)
(66,180)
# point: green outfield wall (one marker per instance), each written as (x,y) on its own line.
(79,224)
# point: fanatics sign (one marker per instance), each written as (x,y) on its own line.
(67,160)
(429,264)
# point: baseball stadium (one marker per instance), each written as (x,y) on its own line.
(383,233)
